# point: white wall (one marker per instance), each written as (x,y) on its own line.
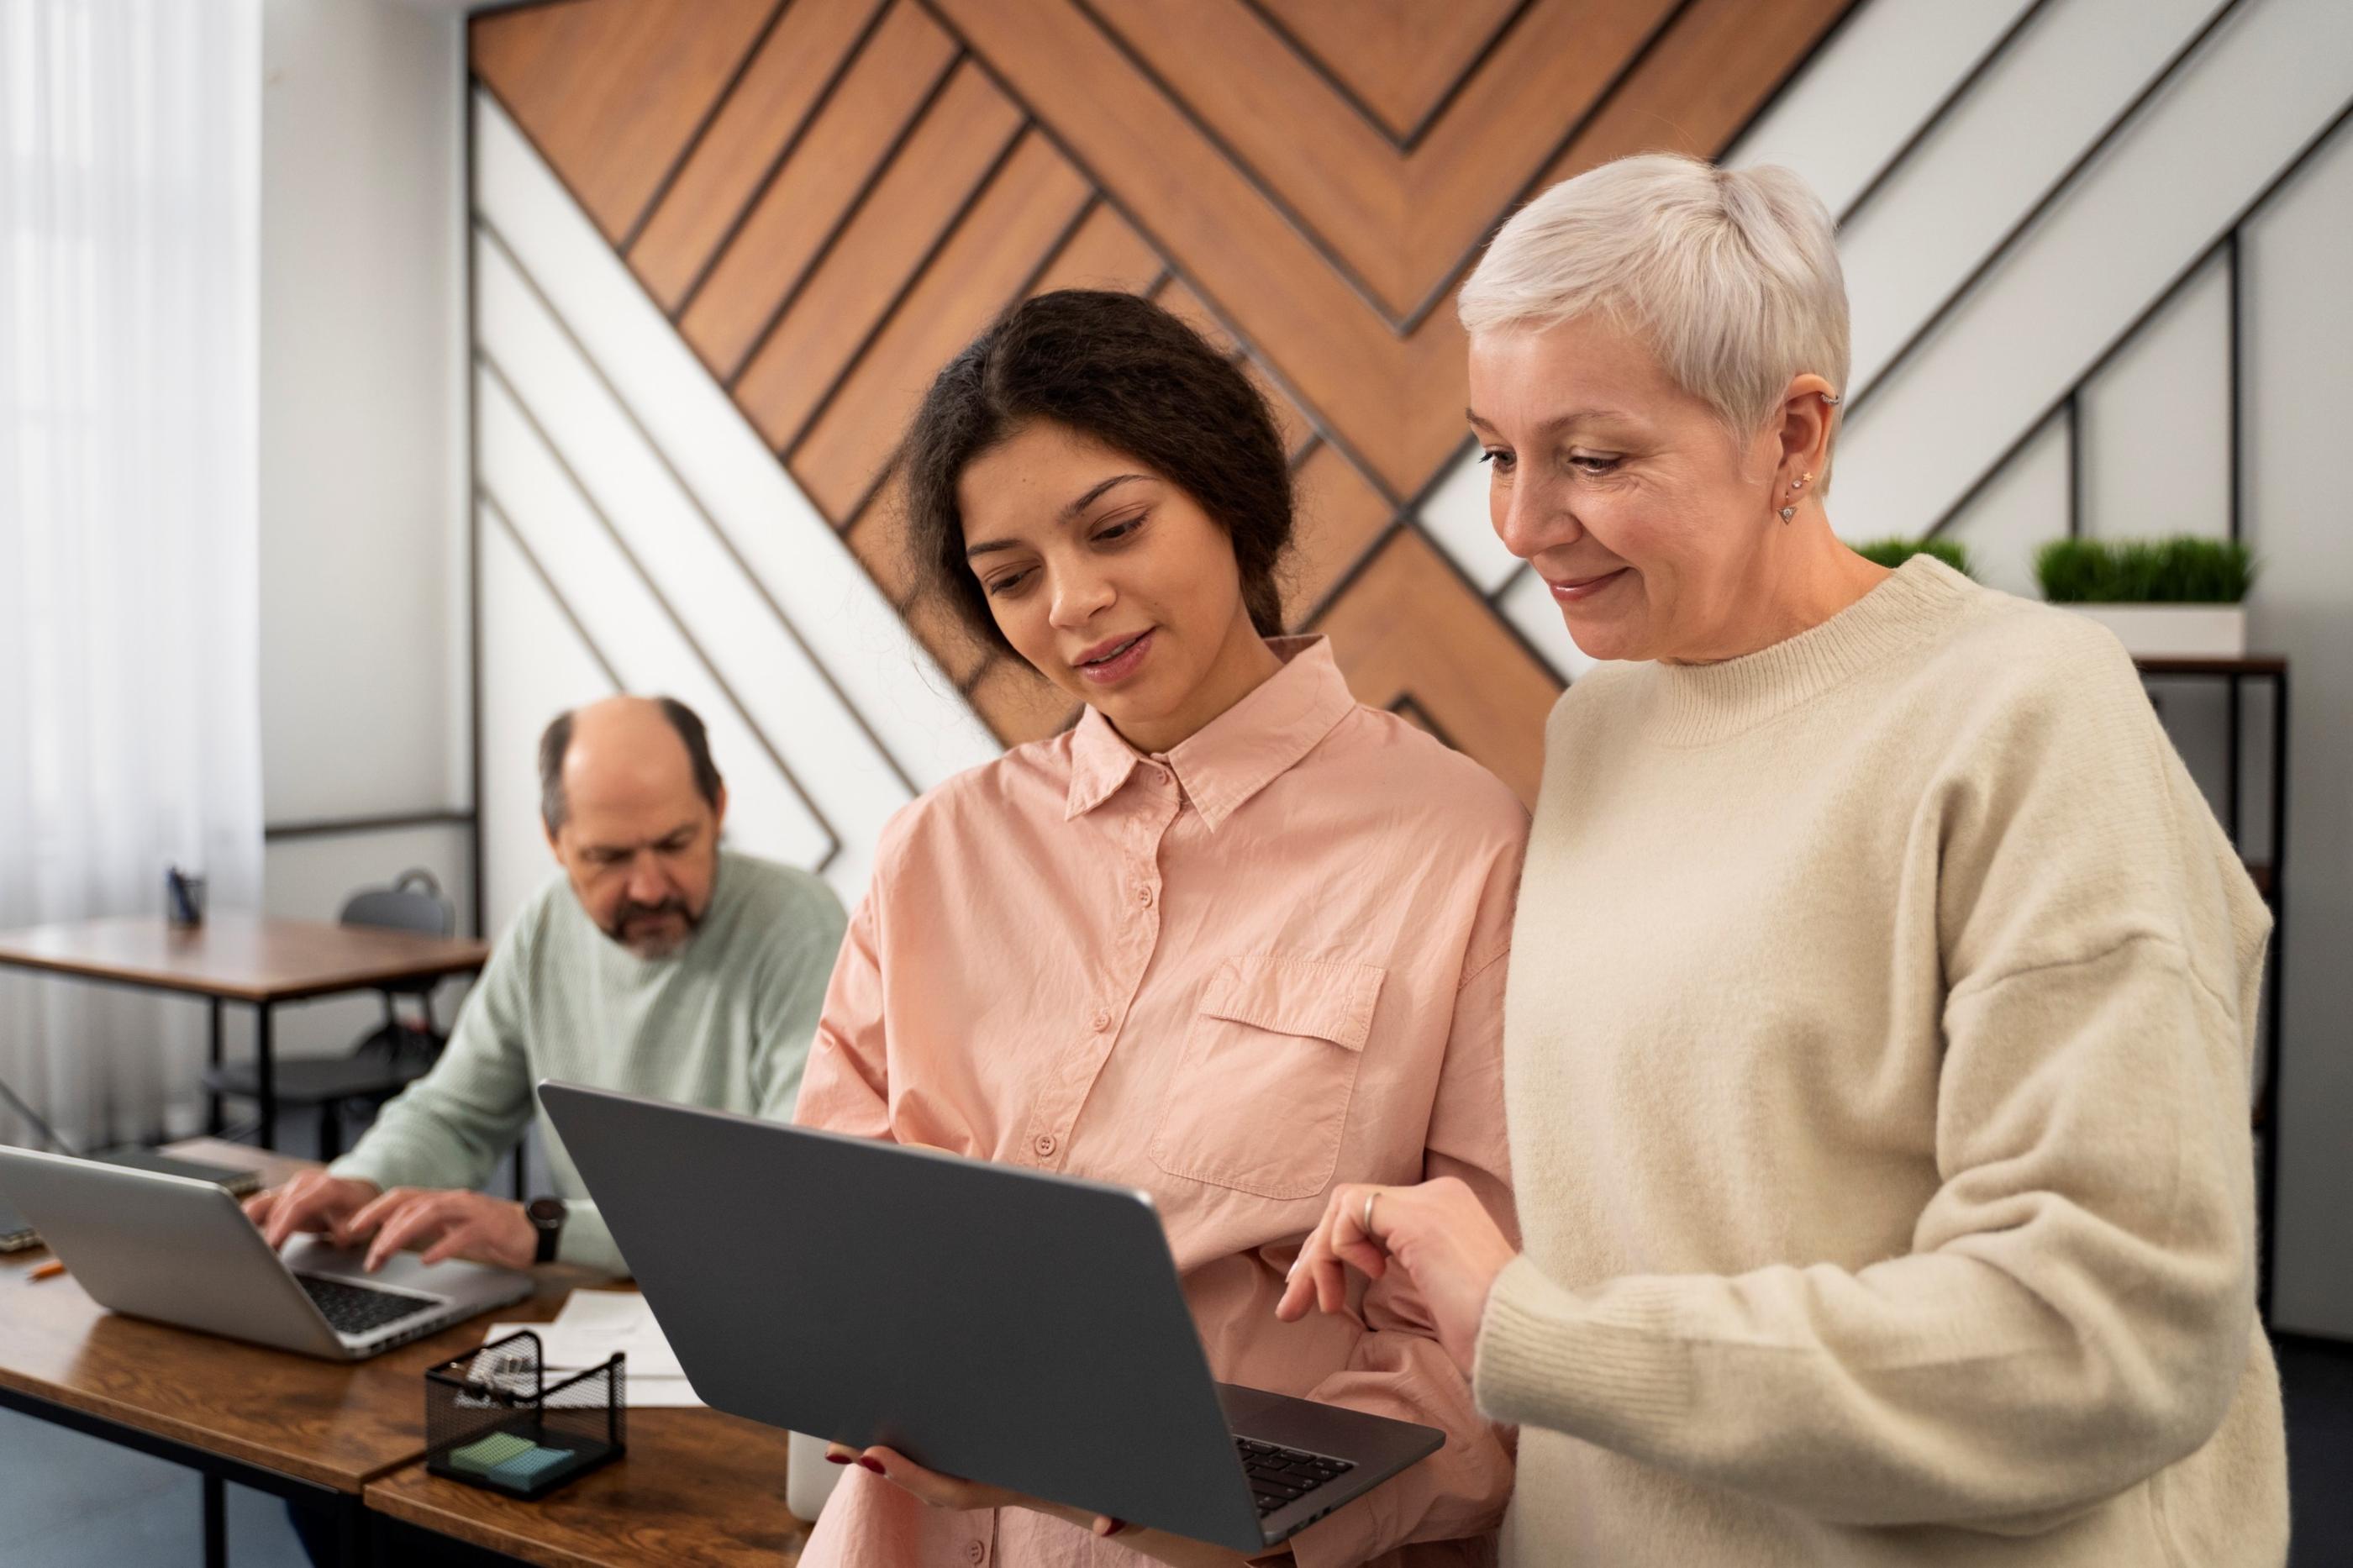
(365,676)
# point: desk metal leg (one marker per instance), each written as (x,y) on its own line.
(215,1521)
(2231,812)
(266,1075)
(2267,1220)
(213,1121)
(351,1536)
(354,1535)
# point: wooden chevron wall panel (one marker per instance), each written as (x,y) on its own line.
(828,197)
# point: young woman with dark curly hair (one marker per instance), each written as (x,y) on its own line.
(1232,939)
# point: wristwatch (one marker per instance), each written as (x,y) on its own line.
(546,1216)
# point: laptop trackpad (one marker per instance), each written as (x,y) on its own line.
(403,1271)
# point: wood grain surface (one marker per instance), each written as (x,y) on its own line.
(738,156)
(819,184)
(241,957)
(582,71)
(1397,58)
(1308,181)
(697,1488)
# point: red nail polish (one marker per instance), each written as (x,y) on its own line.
(875,1465)
(835,1459)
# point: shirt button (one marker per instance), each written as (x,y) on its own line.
(1100,1021)
(1045,1145)
(1144,894)
(973,1551)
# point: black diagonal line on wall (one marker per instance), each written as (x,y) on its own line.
(1462,79)
(817,106)
(1995,52)
(1028,285)
(1347,95)
(491,231)
(1340,265)
(2148,313)
(1151,237)
(483,494)
(873,334)
(1409,708)
(678,621)
(1627,69)
(1857,400)
(702,128)
(849,215)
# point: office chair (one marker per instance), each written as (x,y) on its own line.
(389,1058)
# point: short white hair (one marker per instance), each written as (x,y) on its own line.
(1730,275)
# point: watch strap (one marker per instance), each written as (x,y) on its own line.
(546,1216)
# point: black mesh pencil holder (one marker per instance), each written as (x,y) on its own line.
(493,1420)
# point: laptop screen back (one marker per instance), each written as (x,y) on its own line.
(1004,1325)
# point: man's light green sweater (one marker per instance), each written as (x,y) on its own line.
(725,1024)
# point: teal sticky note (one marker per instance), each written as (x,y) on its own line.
(489,1452)
(526,1469)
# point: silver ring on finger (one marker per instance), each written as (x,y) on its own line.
(1370,1199)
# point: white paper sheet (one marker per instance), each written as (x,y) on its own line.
(662,1394)
(592,1325)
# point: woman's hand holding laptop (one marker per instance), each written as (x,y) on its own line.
(946,1491)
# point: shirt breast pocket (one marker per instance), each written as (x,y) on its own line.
(1259,1095)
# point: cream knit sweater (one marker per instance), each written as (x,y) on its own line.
(1878,1042)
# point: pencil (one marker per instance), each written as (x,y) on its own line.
(51,1271)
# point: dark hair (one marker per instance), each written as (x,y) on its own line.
(556,741)
(1119,368)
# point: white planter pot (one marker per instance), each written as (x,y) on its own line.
(2174,631)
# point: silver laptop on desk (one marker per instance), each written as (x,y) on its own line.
(1005,1325)
(181,1251)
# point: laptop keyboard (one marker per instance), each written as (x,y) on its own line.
(1279,1477)
(356,1308)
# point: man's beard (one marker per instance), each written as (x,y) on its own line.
(664,943)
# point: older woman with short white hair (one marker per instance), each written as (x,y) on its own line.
(1878,1035)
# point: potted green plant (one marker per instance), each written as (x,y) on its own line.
(2164,598)
(1893,553)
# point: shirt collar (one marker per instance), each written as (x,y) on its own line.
(1236,755)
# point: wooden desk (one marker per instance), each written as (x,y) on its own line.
(314,1432)
(236,957)
(696,1489)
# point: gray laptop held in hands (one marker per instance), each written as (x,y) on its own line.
(1008,1326)
(181,1251)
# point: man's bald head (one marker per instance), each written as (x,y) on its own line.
(645,736)
(632,804)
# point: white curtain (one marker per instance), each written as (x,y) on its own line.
(130,707)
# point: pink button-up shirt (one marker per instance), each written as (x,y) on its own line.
(1232,975)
